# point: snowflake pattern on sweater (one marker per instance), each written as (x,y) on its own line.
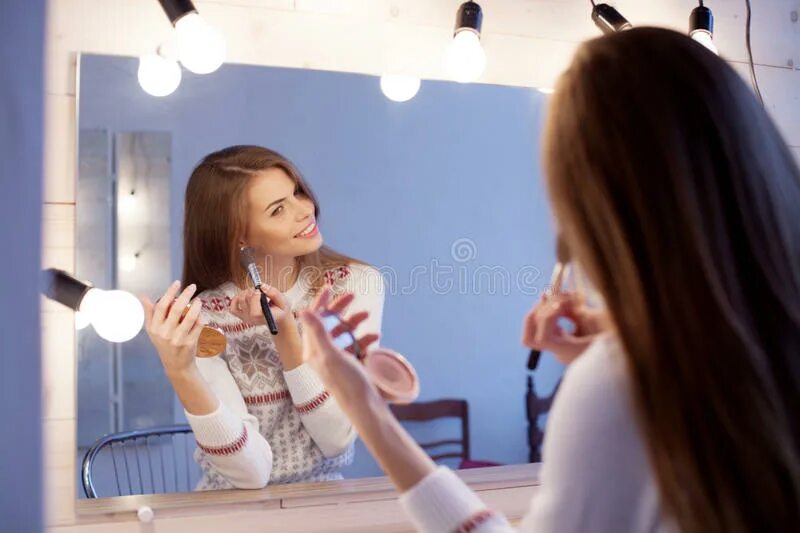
(256,368)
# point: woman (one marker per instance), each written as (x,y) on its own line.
(677,197)
(258,413)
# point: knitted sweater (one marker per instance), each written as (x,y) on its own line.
(274,426)
(595,473)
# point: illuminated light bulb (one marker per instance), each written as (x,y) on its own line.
(465,60)
(158,76)
(81,320)
(201,48)
(704,38)
(117,316)
(400,88)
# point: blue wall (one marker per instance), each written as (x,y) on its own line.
(22,29)
(398,185)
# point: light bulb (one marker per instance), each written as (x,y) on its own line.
(81,320)
(465,58)
(201,48)
(127,202)
(92,303)
(400,88)
(158,75)
(704,37)
(127,263)
(117,316)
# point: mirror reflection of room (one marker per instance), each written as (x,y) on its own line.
(366,200)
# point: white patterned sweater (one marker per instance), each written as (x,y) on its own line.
(274,426)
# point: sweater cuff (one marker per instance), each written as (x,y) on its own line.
(305,386)
(442,502)
(218,433)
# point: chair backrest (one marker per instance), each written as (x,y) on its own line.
(143,461)
(426,411)
(535,407)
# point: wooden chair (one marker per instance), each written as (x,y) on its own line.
(536,406)
(446,408)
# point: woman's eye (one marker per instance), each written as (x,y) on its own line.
(278,210)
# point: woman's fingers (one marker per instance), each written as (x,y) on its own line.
(163,304)
(178,307)
(322,299)
(275,296)
(549,334)
(350,323)
(236,301)
(191,318)
(314,332)
(148,311)
(530,324)
(252,303)
(340,303)
(193,335)
(542,329)
(529,328)
(235,306)
(364,343)
(326,301)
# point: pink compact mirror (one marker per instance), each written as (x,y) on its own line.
(390,372)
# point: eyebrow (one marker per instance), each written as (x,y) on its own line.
(279,200)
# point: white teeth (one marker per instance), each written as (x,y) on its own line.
(308,230)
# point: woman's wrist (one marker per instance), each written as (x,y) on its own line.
(193,392)
(393,448)
(186,374)
(289,344)
(361,402)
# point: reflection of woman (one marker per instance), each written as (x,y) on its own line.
(678,198)
(259,414)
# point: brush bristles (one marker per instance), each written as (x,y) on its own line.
(247,256)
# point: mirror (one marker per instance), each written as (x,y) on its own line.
(441,194)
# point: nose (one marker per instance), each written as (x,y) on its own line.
(306,210)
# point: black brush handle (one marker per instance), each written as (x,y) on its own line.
(273,327)
(533,359)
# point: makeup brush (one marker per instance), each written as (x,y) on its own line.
(247,257)
(556,279)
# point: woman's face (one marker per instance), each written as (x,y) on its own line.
(280,218)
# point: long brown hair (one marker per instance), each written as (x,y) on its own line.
(215,217)
(676,194)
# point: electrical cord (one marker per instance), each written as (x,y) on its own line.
(750,55)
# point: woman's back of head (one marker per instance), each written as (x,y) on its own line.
(676,193)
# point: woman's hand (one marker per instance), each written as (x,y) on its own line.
(326,301)
(541,329)
(342,374)
(246,306)
(394,449)
(174,339)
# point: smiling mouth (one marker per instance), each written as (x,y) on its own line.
(310,230)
